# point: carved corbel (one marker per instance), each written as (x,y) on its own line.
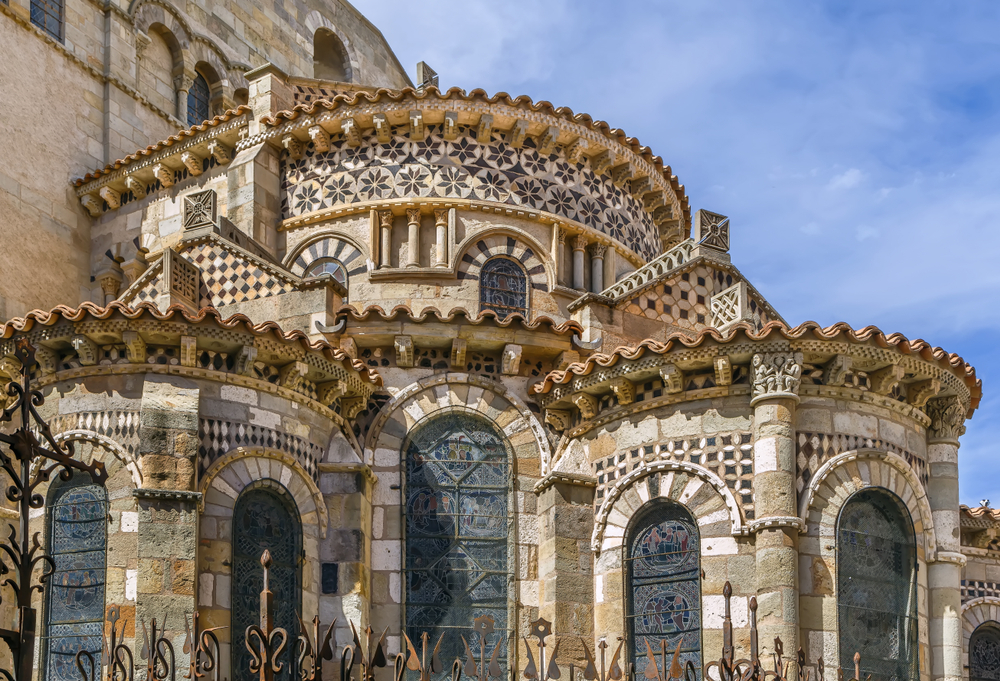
(189,351)
(518,133)
(86,350)
(292,374)
(92,204)
(723,370)
(331,391)
(48,360)
(164,175)
(565,358)
(349,346)
(576,149)
(947,415)
(136,186)
(350,407)
(10,367)
(887,378)
(450,131)
(383,130)
(602,161)
(624,390)
(835,371)
(484,131)
(622,173)
(417,131)
(111,197)
(292,146)
(662,214)
(511,359)
(642,185)
(192,163)
(458,349)
(673,378)
(245,359)
(547,140)
(559,419)
(220,152)
(919,392)
(321,138)
(587,404)
(653,200)
(404,351)
(352,132)
(135,346)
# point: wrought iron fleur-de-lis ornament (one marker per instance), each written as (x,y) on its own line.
(202,645)
(155,650)
(614,673)
(371,655)
(664,672)
(479,669)
(410,659)
(541,629)
(265,642)
(117,656)
(323,650)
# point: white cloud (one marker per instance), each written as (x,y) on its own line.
(846,180)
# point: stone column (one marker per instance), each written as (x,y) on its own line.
(561,257)
(944,572)
(579,246)
(597,267)
(413,240)
(776,378)
(183,83)
(441,247)
(385,227)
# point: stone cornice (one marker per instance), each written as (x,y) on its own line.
(792,522)
(167,495)
(558,477)
(363,468)
(953,557)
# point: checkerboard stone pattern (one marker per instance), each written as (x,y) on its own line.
(815,449)
(979,589)
(120,426)
(219,437)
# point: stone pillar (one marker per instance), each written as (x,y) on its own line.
(183,83)
(565,560)
(776,378)
(579,246)
(597,267)
(561,257)
(441,246)
(413,238)
(944,574)
(385,227)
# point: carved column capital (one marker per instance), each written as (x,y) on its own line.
(598,250)
(947,415)
(579,242)
(385,219)
(413,216)
(776,375)
(183,81)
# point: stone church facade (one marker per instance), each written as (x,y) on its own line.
(444,355)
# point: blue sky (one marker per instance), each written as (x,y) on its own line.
(854,145)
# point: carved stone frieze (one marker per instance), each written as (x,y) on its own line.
(587,404)
(775,375)
(947,417)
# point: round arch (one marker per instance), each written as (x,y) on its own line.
(316,21)
(328,244)
(976,613)
(103,443)
(475,250)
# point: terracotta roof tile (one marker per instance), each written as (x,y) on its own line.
(981,512)
(435,315)
(179,313)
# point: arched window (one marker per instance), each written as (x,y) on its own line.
(48,16)
(198,98)
(876,586)
(330,266)
(265,517)
(984,653)
(664,584)
(503,288)
(77,542)
(457,529)
(330,61)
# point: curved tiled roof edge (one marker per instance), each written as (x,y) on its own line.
(560,328)
(981,512)
(373,96)
(162,144)
(174,312)
(950,361)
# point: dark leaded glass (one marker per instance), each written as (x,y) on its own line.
(265,518)
(664,601)
(48,16)
(329,266)
(457,527)
(503,288)
(984,653)
(77,543)
(198,97)
(876,589)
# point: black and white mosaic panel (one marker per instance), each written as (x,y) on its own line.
(465,169)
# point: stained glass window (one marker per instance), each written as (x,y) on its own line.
(265,518)
(876,586)
(77,526)
(48,16)
(198,97)
(503,288)
(329,266)
(457,528)
(664,601)
(984,653)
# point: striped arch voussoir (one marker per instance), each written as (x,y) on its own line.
(106,444)
(349,255)
(705,494)
(454,391)
(850,472)
(477,253)
(230,474)
(975,613)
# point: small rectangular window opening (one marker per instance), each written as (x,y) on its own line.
(48,16)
